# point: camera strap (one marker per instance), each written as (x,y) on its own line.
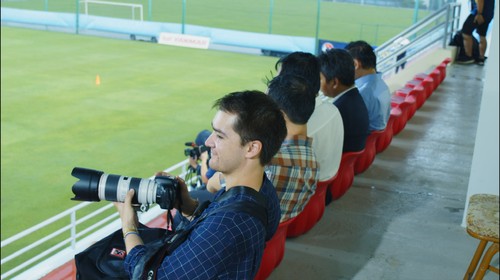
(256,209)
(148,266)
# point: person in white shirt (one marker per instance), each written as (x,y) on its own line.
(325,125)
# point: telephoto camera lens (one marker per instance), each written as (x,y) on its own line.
(94,185)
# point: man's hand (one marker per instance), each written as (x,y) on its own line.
(193,162)
(127,213)
(479,19)
(188,203)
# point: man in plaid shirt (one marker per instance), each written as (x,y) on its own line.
(294,170)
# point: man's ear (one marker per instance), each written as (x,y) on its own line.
(254,149)
(357,64)
(334,83)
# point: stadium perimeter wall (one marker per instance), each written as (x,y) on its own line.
(124,28)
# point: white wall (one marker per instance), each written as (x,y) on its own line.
(484,176)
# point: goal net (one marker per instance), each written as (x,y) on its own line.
(113,9)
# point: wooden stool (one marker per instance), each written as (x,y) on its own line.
(482,223)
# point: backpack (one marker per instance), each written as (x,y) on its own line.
(457,40)
(104,259)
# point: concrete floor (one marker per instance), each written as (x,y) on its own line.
(402,218)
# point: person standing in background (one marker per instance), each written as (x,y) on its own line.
(479,19)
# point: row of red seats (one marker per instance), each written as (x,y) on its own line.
(404,104)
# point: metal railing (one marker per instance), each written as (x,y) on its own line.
(37,266)
(433,31)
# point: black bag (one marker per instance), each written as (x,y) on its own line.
(104,259)
(457,40)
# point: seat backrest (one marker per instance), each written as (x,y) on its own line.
(374,135)
(419,94)
(273,252)
(312,212)
(386,138)
(366,159)
(345,174)
(399,121)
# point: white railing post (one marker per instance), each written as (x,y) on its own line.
(73,230)
(67,248)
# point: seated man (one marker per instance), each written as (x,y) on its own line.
(225,245)
(293,170)
(337,81)
(370,84)
(325,124)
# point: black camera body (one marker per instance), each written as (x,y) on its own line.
(195,151)
(94,185)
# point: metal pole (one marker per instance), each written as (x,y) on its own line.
(271,8)
(183,14)
(77,16)
(415,12)
(316,38)
(150,9)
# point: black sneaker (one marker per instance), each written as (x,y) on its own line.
(480,61)
(465,60)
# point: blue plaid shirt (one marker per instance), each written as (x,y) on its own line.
(226,245)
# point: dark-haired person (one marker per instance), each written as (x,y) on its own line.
(294,169)
(227,244)
(337,81)
(200,164)
(325,124)
(370,84)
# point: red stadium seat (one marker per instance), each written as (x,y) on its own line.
(274,251)
(385,139)
(399,120)
(345,174)
(407,105)
(436,76)
(427,82)
(312,213)
(418,92)
(368,156)
(442,68)
(420,77)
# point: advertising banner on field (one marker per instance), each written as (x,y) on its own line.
(324,45)
(183,40)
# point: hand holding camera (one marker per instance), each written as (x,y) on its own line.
(94,185)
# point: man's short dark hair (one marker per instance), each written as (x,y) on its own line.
(293,95)
(363,52)
(303,64)
(258,118)
(337,63)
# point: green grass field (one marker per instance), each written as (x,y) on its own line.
(338,21)
(152,98)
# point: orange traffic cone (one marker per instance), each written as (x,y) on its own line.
(97,80)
